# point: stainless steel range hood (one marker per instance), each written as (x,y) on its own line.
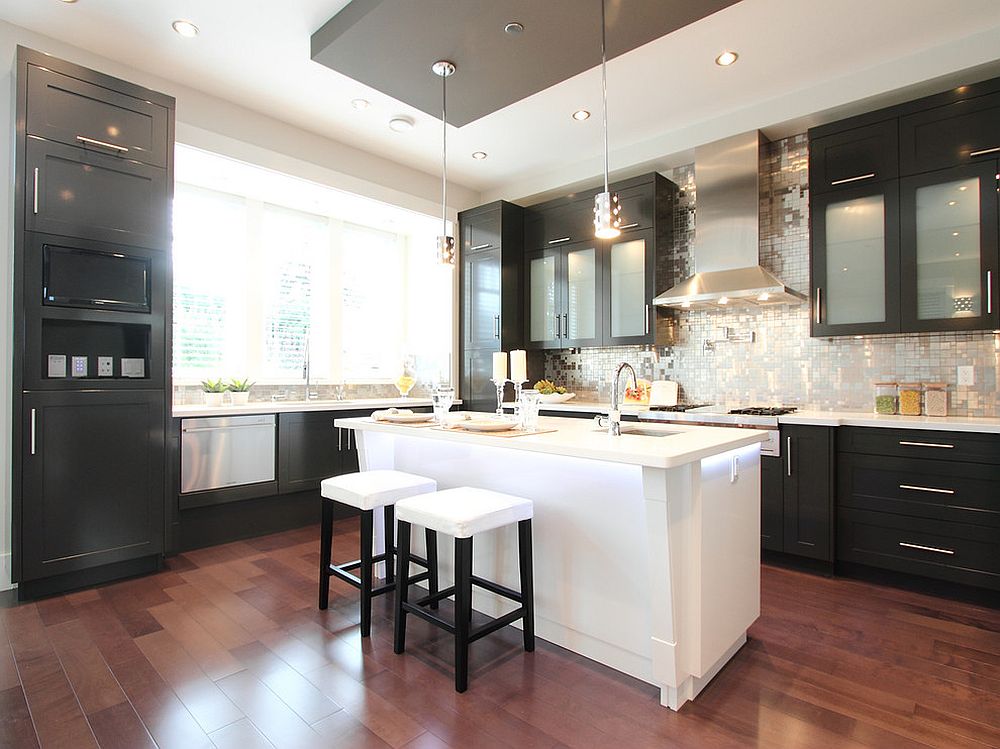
(727,236)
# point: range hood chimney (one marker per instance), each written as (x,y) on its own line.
(727,236)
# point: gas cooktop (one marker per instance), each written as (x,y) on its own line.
(762,411)
(680,407)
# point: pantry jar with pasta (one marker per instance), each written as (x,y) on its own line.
(936,398)
(911,396)
(885,398)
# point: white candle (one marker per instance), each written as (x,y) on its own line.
(518,365)
(499,366)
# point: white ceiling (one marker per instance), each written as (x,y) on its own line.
(797,58)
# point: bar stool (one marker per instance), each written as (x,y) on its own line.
(367,491)
(462,513)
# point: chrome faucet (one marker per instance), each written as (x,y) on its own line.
(306,372)
(614,419)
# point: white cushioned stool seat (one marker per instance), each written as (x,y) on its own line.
(370,489)
(464,512)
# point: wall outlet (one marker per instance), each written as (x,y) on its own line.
(105,366)
(79,366)
(967,376)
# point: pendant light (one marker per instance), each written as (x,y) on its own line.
(445,243)
(607,210)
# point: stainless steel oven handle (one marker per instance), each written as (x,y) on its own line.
(101,143)
(190,430)
(942,445)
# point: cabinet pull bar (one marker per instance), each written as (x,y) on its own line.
(846,180)
(92,142)
(629,226)
(819,305)
(565,318)
(788,454)
(984,151)
(989,292)
(190,430)
(496,327)
(926,444)
(481,246)
(926,489)
(647,319)
(561,239)
(35,190)
(926,548)
(32,431)
(558,326)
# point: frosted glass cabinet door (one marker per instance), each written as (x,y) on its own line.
(629,289)
(544,327)
(581,306)
(949,241)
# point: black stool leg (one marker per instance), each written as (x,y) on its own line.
(430,539)
(402,573)
(527,583)
(463,610)
(325,552)
(367,534)
(390,529)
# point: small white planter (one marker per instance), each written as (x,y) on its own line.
(239,398)
(214,399)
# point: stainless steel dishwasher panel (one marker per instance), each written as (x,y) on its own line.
(224,451)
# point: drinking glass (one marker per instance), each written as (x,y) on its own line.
(442,399)
(530,402)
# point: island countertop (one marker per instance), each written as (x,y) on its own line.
(674,445)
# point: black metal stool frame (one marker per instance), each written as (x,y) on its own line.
(365,583)
(461,629)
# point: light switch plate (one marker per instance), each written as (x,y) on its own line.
(79,366)
(105,366)
(57,365)
(967,375)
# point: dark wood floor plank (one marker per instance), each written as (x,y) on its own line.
(242,734)
(228,632)
(55,610)
(95,686)
(119,727)
(16,729)
(214,659)
(272,717)
(227,601)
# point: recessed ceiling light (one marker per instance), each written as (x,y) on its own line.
(401,124)
(724,300)
(954,234)
(952,202)
(69,1)
(480,155)
(580,115)
(514,28)
(185,28)
(963,188)
(726,59)
(360,104)
(958,254)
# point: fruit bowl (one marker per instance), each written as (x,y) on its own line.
(556,397)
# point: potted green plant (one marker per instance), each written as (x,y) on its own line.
(214,390)
(239,391)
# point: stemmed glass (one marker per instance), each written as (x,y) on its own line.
(442,399)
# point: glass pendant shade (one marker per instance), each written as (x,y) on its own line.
(607,215)
(446,250)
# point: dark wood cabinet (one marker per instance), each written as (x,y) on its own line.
(311,448)
(559,222)
(961,132)
(92,488)
(772,503)
(478,391)
(807,488)
(481,232)
(483,311)
(847,159)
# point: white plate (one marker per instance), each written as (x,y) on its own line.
(407,418)
(556,397)
(488,426)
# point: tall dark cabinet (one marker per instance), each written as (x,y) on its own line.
(91,310)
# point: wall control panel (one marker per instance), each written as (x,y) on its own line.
(133,367)
(105,366)
(79,366)
(57,365)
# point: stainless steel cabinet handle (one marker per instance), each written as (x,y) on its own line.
(984,151)
(565,327)
(190,430)
(558,326)
(561,239)
(481,246)
(926,548)
(36,191)
(340,439)
(647,319)
(989,292)
(926,444)
(32,431)
(931,489)
(788,454)
(101,143)
(819,305)
(496,327)
(847,180)
(629,226)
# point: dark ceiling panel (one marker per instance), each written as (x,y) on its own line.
(390,45)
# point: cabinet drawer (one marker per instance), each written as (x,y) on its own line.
(72,111)
(959,552)
(637,208)
(920,443)
(78,193)
(960,133)
(943,490)
(844,160)
(560,224)
(481,232)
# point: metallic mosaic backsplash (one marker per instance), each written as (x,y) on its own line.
(191,395)
(784,366)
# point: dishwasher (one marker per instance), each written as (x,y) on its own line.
(226,451)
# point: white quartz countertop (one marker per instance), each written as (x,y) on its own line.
(985,425)
(579,438)
(277,407)
(576,406)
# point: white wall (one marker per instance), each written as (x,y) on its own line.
(212,124)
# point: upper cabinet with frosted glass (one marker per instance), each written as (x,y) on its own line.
(583,291)
(905,218)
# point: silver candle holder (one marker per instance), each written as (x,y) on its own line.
(500,385)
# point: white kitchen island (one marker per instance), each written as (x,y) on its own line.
(646,548)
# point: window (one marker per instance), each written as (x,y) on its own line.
(270,270)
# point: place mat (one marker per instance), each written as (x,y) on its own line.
(414,425)
(508,433)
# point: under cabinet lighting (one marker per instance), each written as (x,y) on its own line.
(185,28)
(763,297)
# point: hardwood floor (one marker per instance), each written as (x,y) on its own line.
(226,648)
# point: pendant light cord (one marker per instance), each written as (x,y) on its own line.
(604,93)
(444,155)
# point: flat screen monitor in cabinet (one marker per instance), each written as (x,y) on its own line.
(93,279)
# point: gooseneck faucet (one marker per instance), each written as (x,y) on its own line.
(614,420)
(307,371)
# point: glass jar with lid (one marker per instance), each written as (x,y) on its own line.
(936,398)
(885,398)
(911,398)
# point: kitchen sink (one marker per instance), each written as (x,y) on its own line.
(628,429)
